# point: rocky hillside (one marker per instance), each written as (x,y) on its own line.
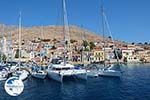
(50,32)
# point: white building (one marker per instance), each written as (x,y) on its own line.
(129,56)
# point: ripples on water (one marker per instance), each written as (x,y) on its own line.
(133,85)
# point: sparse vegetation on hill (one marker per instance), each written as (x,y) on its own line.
(55,33)
(49,32)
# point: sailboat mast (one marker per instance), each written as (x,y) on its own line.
(20,19)
(41,46)
(66,32)
(10,46)
(103,30)
(114,47)
(83,39)
(2,52)
(42,32)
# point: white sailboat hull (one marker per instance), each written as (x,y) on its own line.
(111,73)
(55,76)
(23,74)
(39,75)
(59,75)
(2,79)
(92,73)
(3,76)
(82,76)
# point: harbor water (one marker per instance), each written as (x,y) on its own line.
(133,85)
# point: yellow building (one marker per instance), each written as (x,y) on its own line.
(97,55)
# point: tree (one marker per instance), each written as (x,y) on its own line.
(145,43)
(53,47)
(117,53)
(39,38)
(3,56)
(54,40)
(72,41)
(86,49)
(86,46)
(17,53)
(139,43)
(133,43)
(109,37)
(92,45)
(125,59)
(85,43)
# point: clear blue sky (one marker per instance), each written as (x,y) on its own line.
(129,19)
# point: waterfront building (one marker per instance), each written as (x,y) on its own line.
(97,55)
(129,56)
(144,55)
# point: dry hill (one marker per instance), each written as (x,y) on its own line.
(50,32)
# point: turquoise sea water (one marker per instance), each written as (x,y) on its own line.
(133,85)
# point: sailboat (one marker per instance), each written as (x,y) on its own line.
(41,74)
(59,70)
(3,67)
(12,64)
(4,72)
(20,73)
(37,72)
(109,70)
(92,73)
(90,70)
